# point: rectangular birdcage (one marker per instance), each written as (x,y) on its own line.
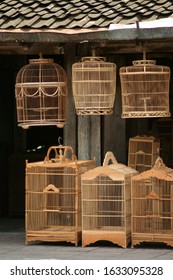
(53,197)
(143,152)
(152,205)
(106,204)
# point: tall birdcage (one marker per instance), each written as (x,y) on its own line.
(94,86)
(53,196)
(41,94)
(143,152)
(106,203)
(152,205)
(145,90)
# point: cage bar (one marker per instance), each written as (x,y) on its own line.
(145,90)
(53,196)
(106,203)
(41,94)
(143,152)
(94,86)
(152,205)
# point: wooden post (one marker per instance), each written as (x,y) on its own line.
(69,132)
(114,127)
(89,138)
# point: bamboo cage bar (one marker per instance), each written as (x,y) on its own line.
(41,94)
(106,203)
(152,205)
(145,90)
(143,152)
(94,86)
(53,196)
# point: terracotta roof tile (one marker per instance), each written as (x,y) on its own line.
(57,14)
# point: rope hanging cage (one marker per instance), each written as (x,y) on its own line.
(152,205)
(106,203)
(94,86)
(41,94)
(145,89)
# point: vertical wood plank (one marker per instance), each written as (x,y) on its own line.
(96,139)
(114,127)
(69,132)
(84,137)
(89,138)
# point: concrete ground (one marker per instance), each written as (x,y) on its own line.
(13,247)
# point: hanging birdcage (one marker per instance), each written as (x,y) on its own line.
(106,203)
(143,152)
(41,94)
(152,205)
(94,86)
(53,196)
(145,90)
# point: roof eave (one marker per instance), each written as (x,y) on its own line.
(64,36)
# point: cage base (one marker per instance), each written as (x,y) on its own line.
(120,238)
(166,238)
(145,114)
(94,111)
(55,234)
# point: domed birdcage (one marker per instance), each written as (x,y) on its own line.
(41,93)
(145,90)
(94,86)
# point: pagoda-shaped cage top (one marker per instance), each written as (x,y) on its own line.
(106,196)
(152,204)
(94,86)
(145,90)
(41,94)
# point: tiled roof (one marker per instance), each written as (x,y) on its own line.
(77,14)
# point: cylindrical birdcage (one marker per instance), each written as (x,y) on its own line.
(94,86)
(145,90)
(41,94)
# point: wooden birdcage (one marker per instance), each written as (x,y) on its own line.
(152,205)
(94,86)
(53,196)
(143,152)
(106,203)
(41,94)
(145,90)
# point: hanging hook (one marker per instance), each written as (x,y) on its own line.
(59,141)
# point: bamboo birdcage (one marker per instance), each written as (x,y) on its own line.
(94,86)
(143,152)
(41,94)
(152,205)
(106,203)
(145,90)
(53,196)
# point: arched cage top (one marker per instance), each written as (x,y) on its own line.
(41,93)
(94,86)
(145,90)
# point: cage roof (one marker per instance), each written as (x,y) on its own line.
(116,171)
(159,171)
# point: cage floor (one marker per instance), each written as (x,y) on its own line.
(122,238)
(55,234)
(164,237)
(108,228)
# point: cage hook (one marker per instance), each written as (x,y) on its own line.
(59,140)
